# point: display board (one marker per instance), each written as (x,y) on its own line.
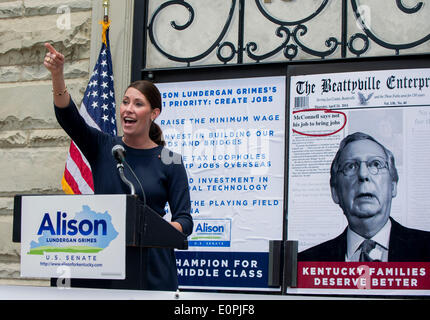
(80,236)
(231,135)
(392,106)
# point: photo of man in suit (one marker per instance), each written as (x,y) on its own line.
(363,182)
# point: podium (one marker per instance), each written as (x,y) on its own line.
(146,232)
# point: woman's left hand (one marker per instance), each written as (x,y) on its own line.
(177,225)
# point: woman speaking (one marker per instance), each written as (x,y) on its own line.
(163,180)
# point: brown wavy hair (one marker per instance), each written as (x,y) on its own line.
(151,92)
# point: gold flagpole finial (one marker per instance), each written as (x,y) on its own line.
(106,10)
(106,22)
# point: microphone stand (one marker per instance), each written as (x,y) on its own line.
(143,254)
(120,168)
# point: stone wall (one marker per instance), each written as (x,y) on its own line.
(33,148)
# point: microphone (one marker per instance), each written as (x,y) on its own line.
(118,153)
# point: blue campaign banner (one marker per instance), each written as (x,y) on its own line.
(222,269)
(230,134)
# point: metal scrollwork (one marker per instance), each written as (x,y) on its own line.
(330,42)
(230,57)
(189,60)
(290,34)
(364,38)
(382,43)
(409,10)
(290,23)
(190,18)
(280,32)
(290,50)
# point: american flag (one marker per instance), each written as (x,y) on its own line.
(98,110)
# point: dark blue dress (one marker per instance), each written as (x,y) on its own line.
(164,180)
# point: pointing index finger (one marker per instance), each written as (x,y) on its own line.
(50,48)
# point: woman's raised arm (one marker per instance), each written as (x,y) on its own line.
(54,62)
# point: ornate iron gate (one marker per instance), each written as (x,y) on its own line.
(290,33)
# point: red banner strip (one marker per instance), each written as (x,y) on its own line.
(364,275)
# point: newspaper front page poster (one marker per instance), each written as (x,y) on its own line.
(392,107)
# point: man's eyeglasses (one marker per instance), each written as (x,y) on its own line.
(374,165)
